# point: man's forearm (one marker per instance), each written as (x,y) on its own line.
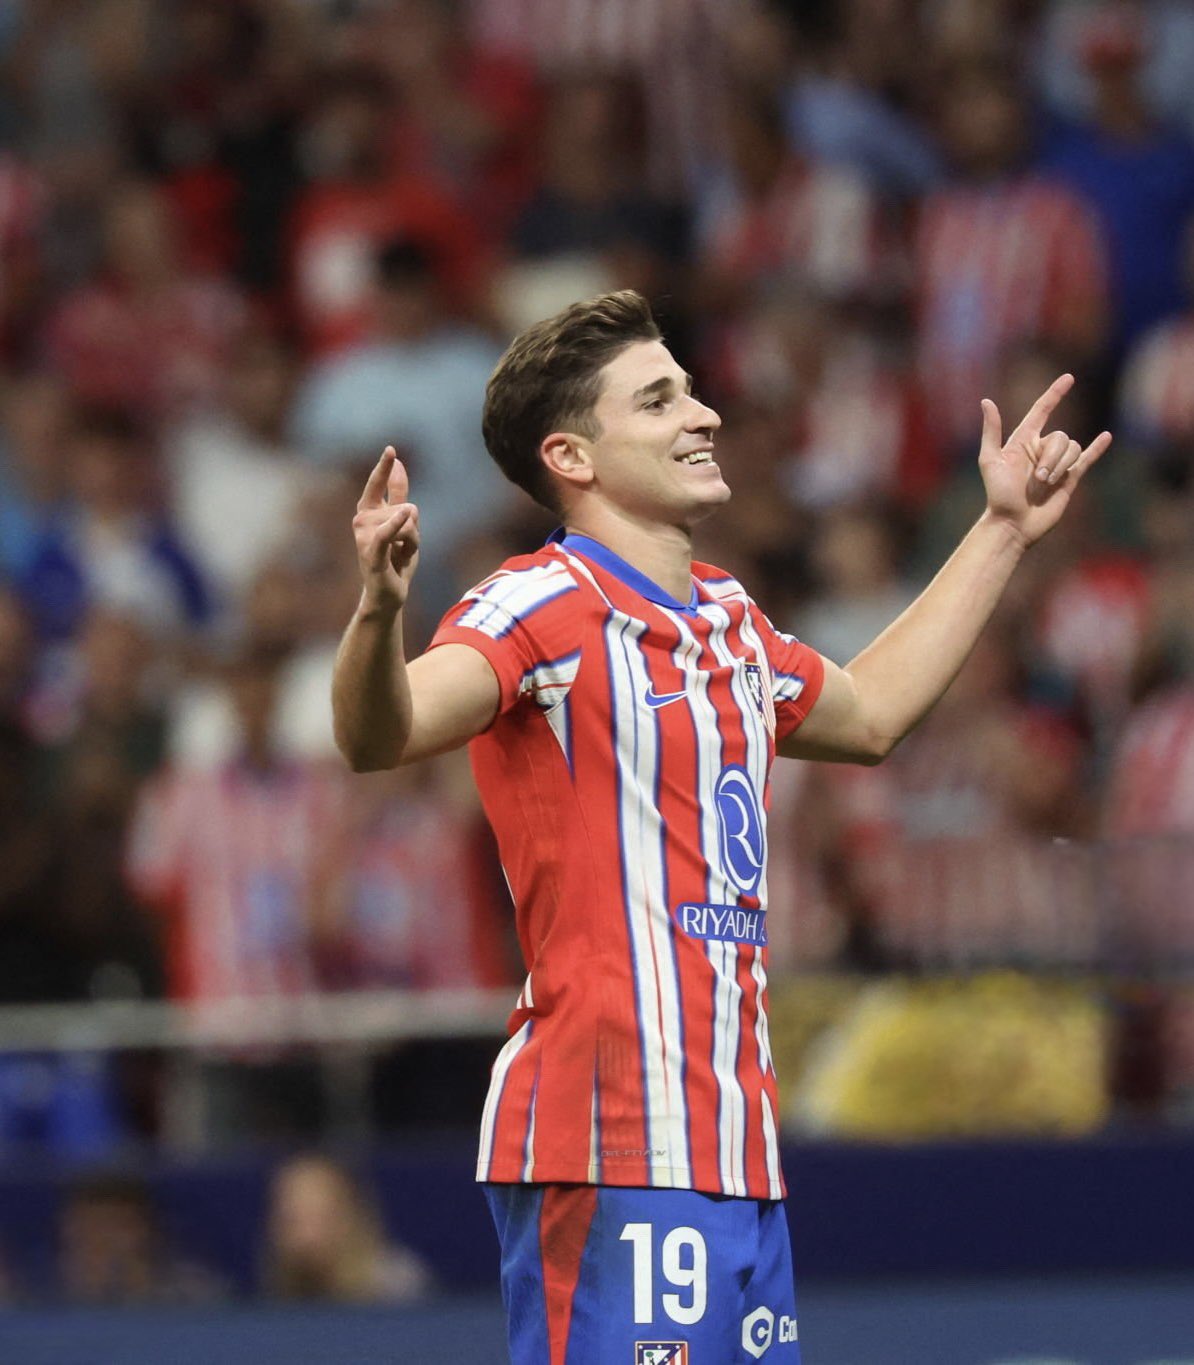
(371,703)
(902,673)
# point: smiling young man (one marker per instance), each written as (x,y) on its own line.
(624,706)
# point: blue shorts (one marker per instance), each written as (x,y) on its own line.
(599,1275)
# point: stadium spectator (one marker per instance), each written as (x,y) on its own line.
(355,200)
(1002,254)
(412,839)
(418,379)
(856,418)
(860,589)
(1135,172)
(226,466)
(113,1250)
(591,201)
(772,216)
(324,1241)
(226,856)
(849,102)
(148,332)
(1156,383)
(111,543)
(1165,31)
(101,740)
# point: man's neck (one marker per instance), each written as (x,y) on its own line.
(662,552)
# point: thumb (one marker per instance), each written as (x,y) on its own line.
(992,429)
(398,484)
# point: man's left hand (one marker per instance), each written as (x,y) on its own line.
(1031,478)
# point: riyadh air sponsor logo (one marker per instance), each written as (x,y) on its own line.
(728,923)
(661,1353)
(657,699)
(761,1328)
(740,828)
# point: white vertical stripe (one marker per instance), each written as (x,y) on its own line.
(648,915)
(528,1162)
(497,1083)
(763,1041)
(762,1029)
(771,1142)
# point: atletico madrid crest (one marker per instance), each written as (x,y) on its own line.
(661,1353)
(759,695)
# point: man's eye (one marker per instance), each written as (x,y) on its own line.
(655,403)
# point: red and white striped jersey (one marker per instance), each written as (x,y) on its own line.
(996,264)
(626,776)
(229,857)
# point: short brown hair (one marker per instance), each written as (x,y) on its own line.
(549,378)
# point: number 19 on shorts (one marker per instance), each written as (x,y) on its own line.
(683,1262)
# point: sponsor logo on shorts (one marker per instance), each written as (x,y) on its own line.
(729,923)
(762,1327)
(661,1353)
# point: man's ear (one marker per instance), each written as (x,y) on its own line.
(566,457)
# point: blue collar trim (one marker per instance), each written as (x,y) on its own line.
(627,573)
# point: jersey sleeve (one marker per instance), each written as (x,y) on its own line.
(526,622)
(797,675)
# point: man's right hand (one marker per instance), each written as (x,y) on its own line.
(386,528)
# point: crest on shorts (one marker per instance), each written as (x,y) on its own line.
(661,1353)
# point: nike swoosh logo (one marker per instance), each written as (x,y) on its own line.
(657,699)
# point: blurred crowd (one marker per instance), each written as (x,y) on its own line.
(246,243)
(115,1243)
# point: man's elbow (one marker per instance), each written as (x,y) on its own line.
(875,746)
(363,758)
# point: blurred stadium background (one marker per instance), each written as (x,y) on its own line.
(248,1004)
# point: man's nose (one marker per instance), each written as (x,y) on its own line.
(702,417)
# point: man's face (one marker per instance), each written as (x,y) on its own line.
(653,458)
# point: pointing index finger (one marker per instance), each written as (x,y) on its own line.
(1034,419)
(375,485)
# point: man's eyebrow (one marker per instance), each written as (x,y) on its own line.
(660,386)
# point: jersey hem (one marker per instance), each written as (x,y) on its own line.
(678,1181)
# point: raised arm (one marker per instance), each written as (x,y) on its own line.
(385,711)
(866,708)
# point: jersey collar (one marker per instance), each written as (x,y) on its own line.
(626,573)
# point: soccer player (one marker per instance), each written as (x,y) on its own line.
(624,706)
